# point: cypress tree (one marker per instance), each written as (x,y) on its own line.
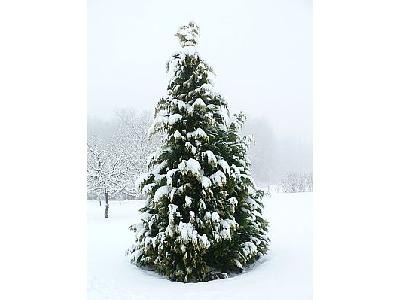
(203,215)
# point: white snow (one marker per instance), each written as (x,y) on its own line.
(233,201)
(206,182)
(199,103)
(181,105)
(191,165)
(215,216)
(188,201)
(284,274)
(224,165)
(212,160)
(172,119)
(190,34)
(187,232)
(190,147)
(172,211)
(198,133)
(225,115)
(204,241)
(169,175)
(207,87)
(189,50)
(249,248)
(227,224)
(147,188)
(141,178)
(218,178)
(177,134)
(161,192)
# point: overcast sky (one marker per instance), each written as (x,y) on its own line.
(261,52)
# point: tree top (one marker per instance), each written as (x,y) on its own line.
(188,35)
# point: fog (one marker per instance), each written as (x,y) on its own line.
(261,52)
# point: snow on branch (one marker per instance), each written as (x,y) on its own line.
(188,35)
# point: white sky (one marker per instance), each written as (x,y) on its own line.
(261,52)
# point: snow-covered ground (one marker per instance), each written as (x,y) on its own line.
(285,273)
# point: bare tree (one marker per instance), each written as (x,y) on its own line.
(133,139)
(117,154)
(106,170)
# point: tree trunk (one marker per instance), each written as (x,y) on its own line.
(98,198)
(106,206)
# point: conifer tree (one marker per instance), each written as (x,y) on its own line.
(202,218)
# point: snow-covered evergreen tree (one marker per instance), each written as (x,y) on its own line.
(203,217)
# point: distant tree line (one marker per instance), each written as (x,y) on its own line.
(295,182)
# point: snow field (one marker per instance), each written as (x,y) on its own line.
(285,273)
